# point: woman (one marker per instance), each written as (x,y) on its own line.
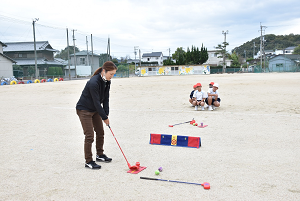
(92,108)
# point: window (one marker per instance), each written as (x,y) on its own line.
(279,65)
(149,69)
(82,60)
(22,55)
(157,58)
(148,59)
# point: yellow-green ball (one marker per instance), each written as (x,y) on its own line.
(194,124)
(157,172)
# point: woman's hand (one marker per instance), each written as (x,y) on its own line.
(106,121)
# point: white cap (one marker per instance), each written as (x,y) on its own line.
(216,85)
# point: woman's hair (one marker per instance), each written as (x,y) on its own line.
(107,66)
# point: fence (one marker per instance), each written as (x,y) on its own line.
(123,70)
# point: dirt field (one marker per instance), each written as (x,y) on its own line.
(250,148)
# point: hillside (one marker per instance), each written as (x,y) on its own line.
(272,42)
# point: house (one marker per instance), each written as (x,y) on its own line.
(23,54)
(271,53)
(84,58)
(6,63)
(215,60)
(153,58)
(284,62)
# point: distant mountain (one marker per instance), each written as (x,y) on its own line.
(272,42)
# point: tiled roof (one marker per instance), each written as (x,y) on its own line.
(290,48)
(39,61)
(27,46)
(84,53)
(289,56)
(152,54)
(4,45)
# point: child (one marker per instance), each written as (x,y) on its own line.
(199,97)
(213,99)
(191,95)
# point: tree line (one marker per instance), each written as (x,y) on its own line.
(191,56)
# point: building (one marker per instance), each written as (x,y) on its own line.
(23,53)
(6,63)
(84,58)
(214,59)
(284,62)
(153,58)
(272,53)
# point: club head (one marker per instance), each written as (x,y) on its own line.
(134,167)
(170,125)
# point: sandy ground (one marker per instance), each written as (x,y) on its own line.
(250,149)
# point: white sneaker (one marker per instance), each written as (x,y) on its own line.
(202,107)
(205,106)
(196,107)
(213,107)
(210,108)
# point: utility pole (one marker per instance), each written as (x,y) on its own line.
(140,58)
(253,49)
(87,50)
(108,50)
(135,52)
(170,54)
(68,54)
(35,56)
(74,53)
(224,55)
(92,52)
(261,43)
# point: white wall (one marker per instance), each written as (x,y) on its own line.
(153,59)
(6,68)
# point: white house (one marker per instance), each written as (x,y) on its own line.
(271,53)
(84,58)
(153,57)
(214,60)
(6,63)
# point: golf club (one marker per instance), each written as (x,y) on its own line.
(134,167)
(181,123)
(206,185)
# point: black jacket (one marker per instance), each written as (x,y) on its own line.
(95,93)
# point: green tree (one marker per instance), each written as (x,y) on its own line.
(222,50)
(188,56)
(31,71)
(17,67)
(179,56)
(297,50)
(115,60)
(203,55)
(168,62)
(235,60)
(103,58)
(63,54)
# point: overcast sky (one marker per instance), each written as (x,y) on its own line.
(153,26)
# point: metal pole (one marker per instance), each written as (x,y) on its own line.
(74,54)
(92,52)
(35,55)
(224,55)
(140,58)
(87,51)
(68,54)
